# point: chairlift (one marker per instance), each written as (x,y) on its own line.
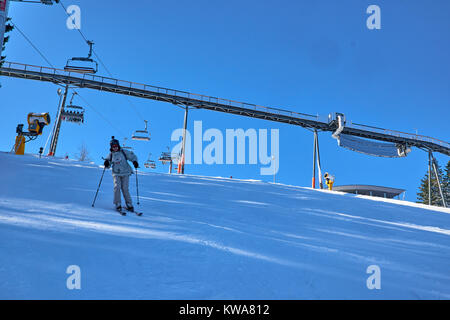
(124,146)
(92,67)
(168,157)
(73,113)
(165,157)
(142,135)
(150,163)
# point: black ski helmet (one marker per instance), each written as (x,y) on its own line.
(114,142)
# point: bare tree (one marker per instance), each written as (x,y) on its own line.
(83,153)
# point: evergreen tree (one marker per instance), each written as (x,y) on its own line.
(8,28)
(423,194)
(446,184)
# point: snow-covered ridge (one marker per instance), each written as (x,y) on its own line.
(210,238)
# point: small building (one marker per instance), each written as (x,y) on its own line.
(374,191)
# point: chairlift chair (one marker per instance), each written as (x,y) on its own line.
(73,114)
(165,157)
(142,135)
(124,146)
(73,67)
(150,163)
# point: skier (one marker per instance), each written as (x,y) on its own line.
(329,180)
(121,172)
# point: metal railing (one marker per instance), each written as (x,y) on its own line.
(203,99)
(400,134)
(159,90)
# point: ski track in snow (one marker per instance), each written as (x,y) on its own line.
(210,238)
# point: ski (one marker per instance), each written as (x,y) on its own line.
(121,212)
(136,212)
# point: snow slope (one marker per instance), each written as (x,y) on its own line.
(209,238)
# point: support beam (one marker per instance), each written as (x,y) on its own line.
(314,160)
(429,178)
(198,101)
(436,173)
(54,141)
(183,147)
(319,166)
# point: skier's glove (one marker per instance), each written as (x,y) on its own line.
(136,164)
(106,164)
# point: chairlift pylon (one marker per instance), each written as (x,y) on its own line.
(72,67)
(142,135)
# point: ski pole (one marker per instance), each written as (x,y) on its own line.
(99,186)
(137,187)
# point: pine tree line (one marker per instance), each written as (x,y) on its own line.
(8,28)
(423,194)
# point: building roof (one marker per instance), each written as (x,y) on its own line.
(377,191)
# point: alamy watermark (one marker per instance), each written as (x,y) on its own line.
(74,19)
(73,282)
(230,148)
(374,280)
(374,20)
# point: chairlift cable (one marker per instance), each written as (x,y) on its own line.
(100,114)
(42,56)
(76,92)
(87,41)
(31,43)
(101,62)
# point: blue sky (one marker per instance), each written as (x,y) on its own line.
(313,57)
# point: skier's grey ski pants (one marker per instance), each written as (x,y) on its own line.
(121,183)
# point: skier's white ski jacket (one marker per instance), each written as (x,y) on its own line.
(119,162)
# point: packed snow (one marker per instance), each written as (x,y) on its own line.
(210,238)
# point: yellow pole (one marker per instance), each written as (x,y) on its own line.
(19,146)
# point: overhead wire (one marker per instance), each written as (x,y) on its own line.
(101,61)
(86,40)
(100,114)
(32,44)
(51,65)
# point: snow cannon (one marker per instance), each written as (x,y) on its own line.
(36,124)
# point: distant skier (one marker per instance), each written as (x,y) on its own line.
(329,180)
(121,172)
